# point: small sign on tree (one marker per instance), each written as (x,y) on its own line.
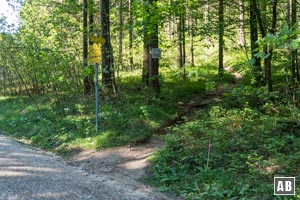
(156,53)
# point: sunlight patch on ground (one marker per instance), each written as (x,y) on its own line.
(135,164)
(6,173)
(2,98)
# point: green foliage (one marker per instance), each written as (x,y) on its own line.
(252,136)
(204,158)
(44,50)
(68,122)
(285,38)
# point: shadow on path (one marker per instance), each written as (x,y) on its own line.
(30,174)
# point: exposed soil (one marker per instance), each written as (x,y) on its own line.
(187,110)
(130,163)
(127,162)
(113,174)
(126,166)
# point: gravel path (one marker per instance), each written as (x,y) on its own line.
(30,174)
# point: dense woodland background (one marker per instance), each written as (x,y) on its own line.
(225,92)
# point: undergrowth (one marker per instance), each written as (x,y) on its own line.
(231,150)
(67,122)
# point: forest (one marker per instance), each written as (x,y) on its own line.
(223,93)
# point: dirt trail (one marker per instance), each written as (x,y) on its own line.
(115,173)
(129,162)
(30,174)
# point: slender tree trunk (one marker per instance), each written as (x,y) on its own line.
(294,57)
(288,13)
(268,50)
(221,38)
(108,77)
(146,60)
(121,23)
(242,40)
(130,31)
(261,19)
(2,80)
(257,71)
(268,70)
(170,21)
(206,22)
(151,65)
(179,43)
(5,82)
(91,32)
(192,59)
(91,17)
(154,79)
(183,29)
(181,49)
(146,52)
(86,80)
(268,60)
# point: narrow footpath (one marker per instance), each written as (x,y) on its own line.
(30,174)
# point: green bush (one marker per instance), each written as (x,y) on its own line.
(227,154)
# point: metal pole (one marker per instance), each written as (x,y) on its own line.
(97,95)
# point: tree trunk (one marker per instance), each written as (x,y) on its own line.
(146,39)
(261,18)
(267,50)
(146,60)
(183,29)
(206,22)
(151,65)
(91,17)
(154,78)
(130,32)
(288,13)
(86,81)
(268,60)
(169,25)
(108,77)
(121,22)
(221,38)
(192,59)
(262,21)
(294,57)
(179,43)
(181,50)
(91,32)
(257,71)
(241,24)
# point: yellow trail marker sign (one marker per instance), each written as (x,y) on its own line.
(98,40)
(95,58)
(94,49)
(94,54)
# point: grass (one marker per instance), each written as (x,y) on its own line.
(67,122)
(251,136)
(233,149)
(204,158)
